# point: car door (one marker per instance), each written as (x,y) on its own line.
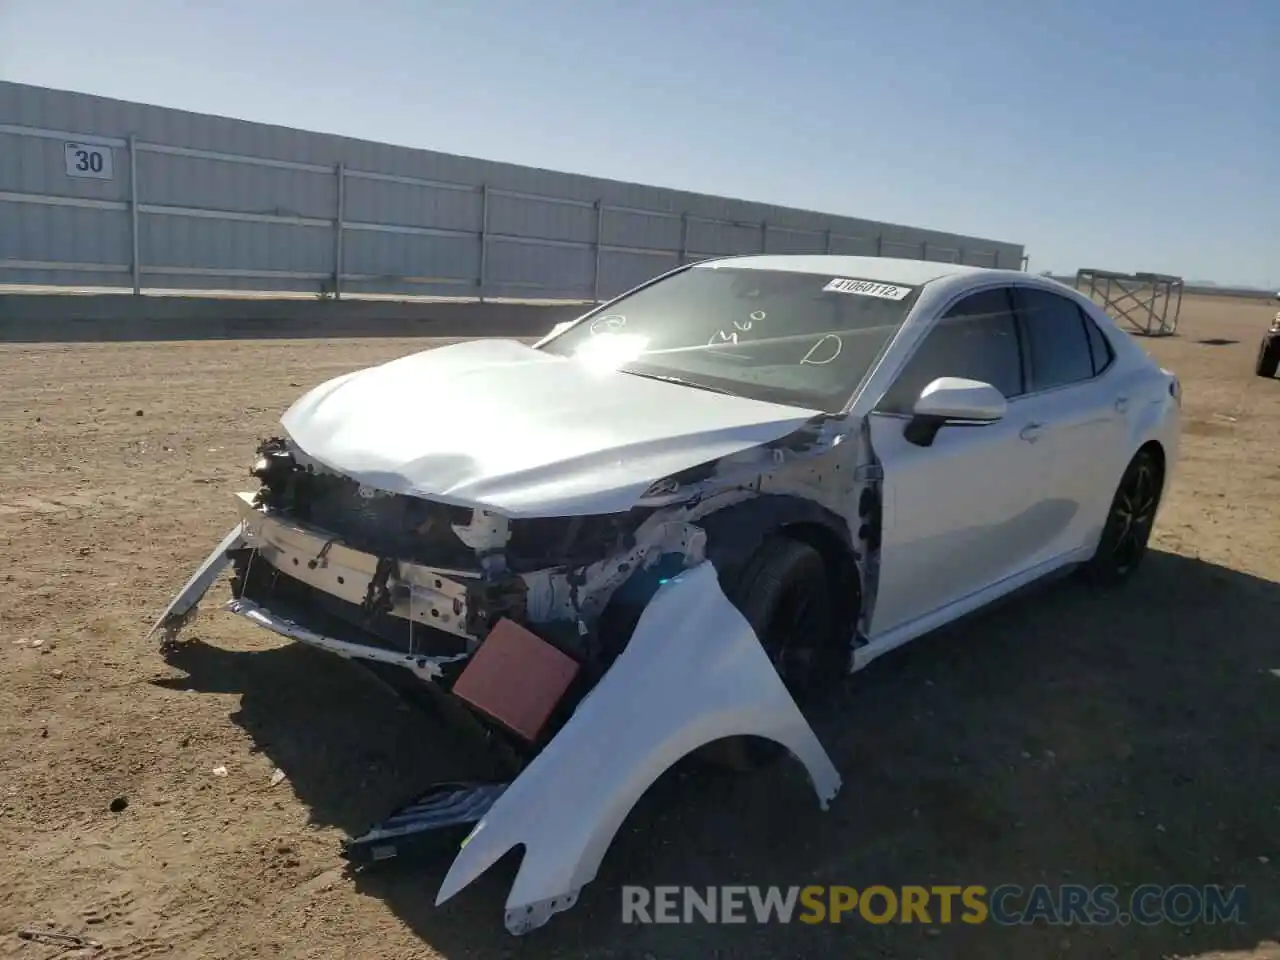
(1082,414)
(954,513)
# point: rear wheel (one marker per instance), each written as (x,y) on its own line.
(1268,357)
(784,592)
(1128,528)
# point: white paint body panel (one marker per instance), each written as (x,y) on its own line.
(958,515)
(497,424)
(1085,445)
(895,270)
(693,672)
(992,507)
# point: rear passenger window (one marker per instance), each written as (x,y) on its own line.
(976,339)
(1057,341)
(1101,349)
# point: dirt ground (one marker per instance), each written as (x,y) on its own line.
(1066,737)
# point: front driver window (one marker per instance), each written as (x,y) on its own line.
(976,339)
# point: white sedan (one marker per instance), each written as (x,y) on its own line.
(661,528)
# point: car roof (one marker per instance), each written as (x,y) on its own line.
(884,269)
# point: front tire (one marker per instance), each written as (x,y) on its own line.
(1124,538)
(784,592)
(1268,357)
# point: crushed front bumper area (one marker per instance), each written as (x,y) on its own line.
(427,668)
(692,672)
(291,578)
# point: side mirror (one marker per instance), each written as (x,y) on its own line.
(953,400)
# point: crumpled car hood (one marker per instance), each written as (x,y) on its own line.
(500,425)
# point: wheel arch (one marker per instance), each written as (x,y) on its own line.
(1156,449)
(735,533)
(842,563)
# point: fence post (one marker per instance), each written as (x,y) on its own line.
(595,282)
(924,249)
(996,259)
(338,223)
(133,212)
(826,247)
(880,245)
(764,236)
(684,238)
(484,238)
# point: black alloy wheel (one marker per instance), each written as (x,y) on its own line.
(1128,528)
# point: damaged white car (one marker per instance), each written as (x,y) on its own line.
(651,532)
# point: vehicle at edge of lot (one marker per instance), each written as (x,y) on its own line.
(1269,349)
(663,527)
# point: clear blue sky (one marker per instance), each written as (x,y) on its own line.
(1125,134)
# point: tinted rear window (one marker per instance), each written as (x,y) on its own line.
(1057,339)
(1099,346)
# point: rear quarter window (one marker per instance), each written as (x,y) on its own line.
(1058,342)
(1100,349)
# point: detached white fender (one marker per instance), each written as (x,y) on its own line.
(693,672)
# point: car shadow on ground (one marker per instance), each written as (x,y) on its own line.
(1068,736)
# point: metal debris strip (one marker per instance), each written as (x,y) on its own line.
(1142,299)
(67,941)
(417,827)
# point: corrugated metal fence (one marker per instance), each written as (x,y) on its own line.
(108,193)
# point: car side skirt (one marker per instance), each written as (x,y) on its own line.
(913,629)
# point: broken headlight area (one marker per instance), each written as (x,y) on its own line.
(426,531)
(501,627)
(399,607)
(421,577)
(399,582)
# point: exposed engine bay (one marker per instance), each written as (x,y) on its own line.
(422,583)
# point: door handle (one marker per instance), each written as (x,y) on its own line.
(1031,432)
(1122,404)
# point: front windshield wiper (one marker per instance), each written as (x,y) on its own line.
(680,381)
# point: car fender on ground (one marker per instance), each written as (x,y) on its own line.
(693,672)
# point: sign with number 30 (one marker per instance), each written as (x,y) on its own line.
(88,160)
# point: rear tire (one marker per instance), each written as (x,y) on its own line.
(784,592)
(1268,357)
(1124,538)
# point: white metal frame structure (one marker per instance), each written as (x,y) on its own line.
(1140,299)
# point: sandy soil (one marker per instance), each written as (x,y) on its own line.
(1065,737)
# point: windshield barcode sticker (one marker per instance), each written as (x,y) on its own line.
(867,288)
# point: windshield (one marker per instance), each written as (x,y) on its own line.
(803,339)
